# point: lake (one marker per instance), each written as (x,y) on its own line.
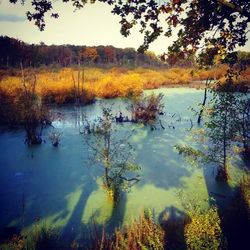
(62,188)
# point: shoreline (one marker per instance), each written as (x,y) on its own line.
(197,85)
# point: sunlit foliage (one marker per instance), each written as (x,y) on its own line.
(245,194)
(204,231)
(89,55)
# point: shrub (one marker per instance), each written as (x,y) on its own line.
(62,86)
(204,231)
(146,109)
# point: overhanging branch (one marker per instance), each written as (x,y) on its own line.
(234,8)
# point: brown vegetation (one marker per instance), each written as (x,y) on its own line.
(140,234)
(146,109)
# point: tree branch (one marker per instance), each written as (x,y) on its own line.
(234,7)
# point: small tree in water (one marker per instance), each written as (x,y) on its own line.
(30,111)
(223,122)
(222,126)
(113,152)
(244,122)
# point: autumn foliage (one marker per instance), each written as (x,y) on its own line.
(204,231)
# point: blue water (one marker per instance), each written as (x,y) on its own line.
(62,188)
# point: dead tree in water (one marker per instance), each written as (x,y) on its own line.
(208,81)
(30,111)
(55,138)
(81,94)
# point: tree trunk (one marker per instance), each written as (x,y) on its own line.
(203,105)
(222,172)
(107,177)
(204,100)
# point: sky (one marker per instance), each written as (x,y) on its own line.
(92,26)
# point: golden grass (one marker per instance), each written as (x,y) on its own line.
(59,86)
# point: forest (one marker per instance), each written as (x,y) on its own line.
(109,148)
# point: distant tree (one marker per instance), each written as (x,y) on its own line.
(65,56)
(129,56)
(10,51)
(101,55)
(244,57)
(179,59)
(110,54)
(89,55)
(151,57)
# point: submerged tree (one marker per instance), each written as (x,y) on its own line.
(113,152)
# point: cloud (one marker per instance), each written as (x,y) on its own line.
(11,18)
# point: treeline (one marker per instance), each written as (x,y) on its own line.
(14,51)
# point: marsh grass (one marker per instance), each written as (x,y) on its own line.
(57,86)
(40,237)
(140,234)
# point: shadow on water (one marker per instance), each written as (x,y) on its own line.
(74,225)
(118,213)
(162,166)
(77,230)
(173,222)
(91,232)
(44,187)
(234,220)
